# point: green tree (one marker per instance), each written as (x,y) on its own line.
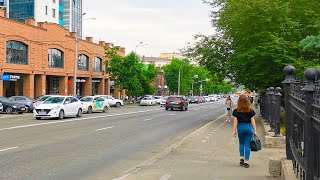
(130,74)
(256,39)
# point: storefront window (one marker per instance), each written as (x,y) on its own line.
(97,64)
(17,52)
(83,63)
(55,58)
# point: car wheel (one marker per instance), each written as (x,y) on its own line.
(9,110)
(167,109)
(182,108)
(20,112)
(186,108)
(118,105)
(38,118)
(89,110)
(61,114)
(27,109)
(171,109)
(79,114)
(105,109)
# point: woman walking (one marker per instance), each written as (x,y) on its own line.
(229,106)
(244,125)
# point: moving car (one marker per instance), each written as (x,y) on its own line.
(41,99)
(158,99)
(10,106)
(177,102)
(213,98)
(163,101)
(194,99)
(148,101)
(58,107)
(29,103)
(94,104)
(112,101)
(206,98)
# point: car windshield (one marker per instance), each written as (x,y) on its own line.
(157,97)
(147,98)
(3,99)
(164,98)
(43,98)
(86,99)
(54,100)
(174,98)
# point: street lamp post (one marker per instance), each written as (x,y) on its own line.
(76,59)
(194,77)
(206,80)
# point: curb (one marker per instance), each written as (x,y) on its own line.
(165,152)
(2,116)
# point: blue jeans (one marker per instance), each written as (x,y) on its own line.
(245,135)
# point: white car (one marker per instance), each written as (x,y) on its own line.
(1,107)
(94,104)
(213,98)
(148,101)
(112,101)
(163,101)
(158,99)
(41,99)
(58,107)
(206,98)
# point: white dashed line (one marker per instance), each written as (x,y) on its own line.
(204,141)
(128,174)
(7,149)
(165,177)
(104,128)
(148,119)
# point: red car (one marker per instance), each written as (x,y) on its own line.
(177,102)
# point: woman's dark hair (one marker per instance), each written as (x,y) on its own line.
(228,98)
(243,104)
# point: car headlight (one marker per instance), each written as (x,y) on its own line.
(15,106)
(55,108)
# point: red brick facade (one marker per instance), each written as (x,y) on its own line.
(36,76)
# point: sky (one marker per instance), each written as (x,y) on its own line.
(164,26)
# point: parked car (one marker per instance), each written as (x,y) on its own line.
(29,103)
(177,102)
(194,100)
(112,101)
(158,99)
(94,104)
(1,107)
(58,107)
(41,99)
(163,101)
(206,98)
(148,101)
(10,106)
(213,98)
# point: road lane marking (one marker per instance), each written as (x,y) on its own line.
(77,119)
(165,177)
(104,128)
(7,149)
(128,174)
(204,141)
(171,114)
(197,109)
(148,119)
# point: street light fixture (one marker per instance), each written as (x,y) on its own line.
(194,77)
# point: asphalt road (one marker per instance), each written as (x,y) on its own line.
(96,146)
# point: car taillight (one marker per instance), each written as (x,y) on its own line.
(167,101)
(33,102)
(179,102)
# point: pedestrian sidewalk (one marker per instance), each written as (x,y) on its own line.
(209,153)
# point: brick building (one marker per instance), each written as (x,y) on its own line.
(38,59)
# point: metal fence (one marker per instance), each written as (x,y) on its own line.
(302,108)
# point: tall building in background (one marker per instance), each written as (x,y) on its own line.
(3,5)
(66,13)
(72,16)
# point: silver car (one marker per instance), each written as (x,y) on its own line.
(29,103)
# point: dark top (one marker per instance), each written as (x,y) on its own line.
(243,117)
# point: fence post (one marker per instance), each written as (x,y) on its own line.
(289,72)
(310,75)
(277,113)
(271,108)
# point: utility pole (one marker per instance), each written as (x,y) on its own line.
(179,82)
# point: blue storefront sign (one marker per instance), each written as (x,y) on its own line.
(7,77)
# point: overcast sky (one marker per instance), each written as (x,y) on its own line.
(166,25)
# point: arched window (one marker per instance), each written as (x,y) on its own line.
(83,62)
(97,64)
(17,52)
(55,58)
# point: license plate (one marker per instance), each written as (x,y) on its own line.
(174,103)
(23,109)
(42,113)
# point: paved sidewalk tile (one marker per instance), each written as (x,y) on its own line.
(210,153)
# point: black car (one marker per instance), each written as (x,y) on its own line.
(177,102)
(194,99)
(10,107)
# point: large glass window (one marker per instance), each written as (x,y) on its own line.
(83,62)
(21,9)
(55,58)
(17,52)
(97,64)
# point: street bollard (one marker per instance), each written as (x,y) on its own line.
(277,113)
(267,106)
(271,108)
